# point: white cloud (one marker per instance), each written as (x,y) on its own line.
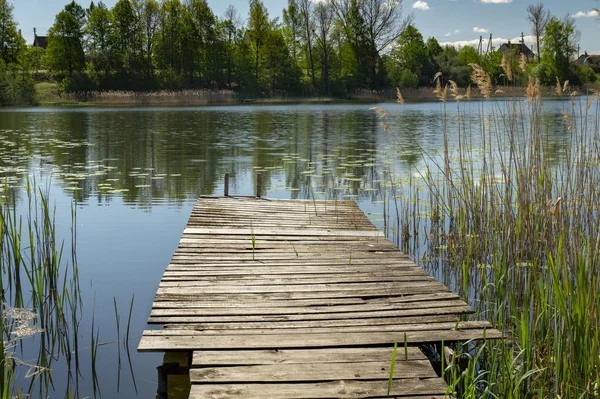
(421,5)
(496,1)
(448,34)
(589,14)
(457,31)
(496,42)
(479,30)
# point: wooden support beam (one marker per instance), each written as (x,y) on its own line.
(258,185)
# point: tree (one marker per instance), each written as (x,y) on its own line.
(353,48)
(559,44)
(467,55)
(125,37)
(65,50)
(98,30)
(539,17)
(204,47)
(409,51)
(169,43)
(305,8)
(11,42)
(383,24)
(230,24)
(281,74)
(324,22)
(148,14)
(291,32)
(258,31)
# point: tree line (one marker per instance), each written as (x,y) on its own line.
(325,48)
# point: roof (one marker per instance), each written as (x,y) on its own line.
(40,41)
(590,59)
(518,48)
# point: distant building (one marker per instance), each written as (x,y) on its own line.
(588,59)
(517,49)
(39,41)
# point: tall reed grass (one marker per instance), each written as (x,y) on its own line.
(34,274)
(514,226)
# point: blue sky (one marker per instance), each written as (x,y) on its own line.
(453,21)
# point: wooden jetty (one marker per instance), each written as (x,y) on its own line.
(300,299)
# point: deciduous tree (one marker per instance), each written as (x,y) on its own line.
(539,17)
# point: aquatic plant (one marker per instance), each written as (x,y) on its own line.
(34,274)
(517,233)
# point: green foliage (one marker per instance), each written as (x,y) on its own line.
(125,38)
(11,41)
(16,88)
(258,32)
(545,72)
(98,31)
(467,55)
(65,50)
(559,46)
(410,52)
(330,47)
(408,80)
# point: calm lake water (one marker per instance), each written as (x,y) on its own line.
(134,175)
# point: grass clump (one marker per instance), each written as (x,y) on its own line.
(34,275)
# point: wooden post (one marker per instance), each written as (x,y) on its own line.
(258,185)
(226,185)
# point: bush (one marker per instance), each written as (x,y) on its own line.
(408,80)
(545,73)
(16,87)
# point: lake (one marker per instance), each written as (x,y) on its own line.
(135,173)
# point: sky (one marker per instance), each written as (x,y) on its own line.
(457,22)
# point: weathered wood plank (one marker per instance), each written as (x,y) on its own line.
(317,330)
(193,282)
(291,232)
(353,309)
(302,372)
(275,341)
(327,355)
(196,316)
(192,294)
(434,388)
(236,303)
(310,325)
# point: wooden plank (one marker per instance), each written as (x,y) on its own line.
(434,388)
(374,308)
(309,325)
(192,282)
(276,341)
(318,330)
(192,316)
(304,302)
(291,232)
(192,294)
(302,372)
(252,274)
(249,289)
(327,355)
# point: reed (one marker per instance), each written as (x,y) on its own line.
(34,274)
(517,233)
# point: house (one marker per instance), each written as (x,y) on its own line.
(517,49)
(39,41)
(588,59)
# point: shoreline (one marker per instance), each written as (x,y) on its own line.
(49,97)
